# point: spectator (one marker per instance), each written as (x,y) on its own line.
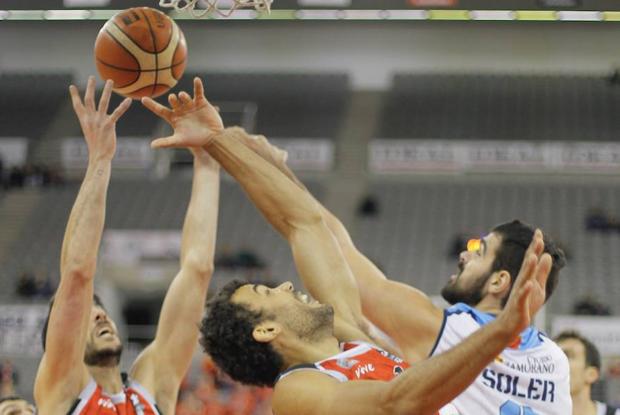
(368,207)
(585,370)
(27,285)
(589,306)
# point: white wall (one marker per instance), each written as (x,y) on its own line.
(369,51)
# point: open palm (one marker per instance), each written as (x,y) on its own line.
(194,120)
(529,291)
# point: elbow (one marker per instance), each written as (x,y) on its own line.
(396,401)
(199,265)
(310,217)
(79,271)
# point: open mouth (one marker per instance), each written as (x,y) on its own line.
(104,331)
(305,299)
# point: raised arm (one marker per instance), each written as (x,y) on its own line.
(162,365)
(400,310)
(291,211)
(62,373)
(428,385)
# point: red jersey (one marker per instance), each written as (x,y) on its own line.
(133,400)
(357,361)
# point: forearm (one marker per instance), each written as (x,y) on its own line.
(85,226)
(200,225)
(432,383)
(280,200)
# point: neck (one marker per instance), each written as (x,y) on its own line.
(489,305)
(299,352)
(108,377)
(583,403)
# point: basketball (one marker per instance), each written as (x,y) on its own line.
(142,50)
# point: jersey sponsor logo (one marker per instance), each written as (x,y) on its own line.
(536,365)
(105,403)
(364,370)
(535,389)
(347,363)
(391,356)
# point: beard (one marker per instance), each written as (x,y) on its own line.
(109,357)
(471,296)
(314,324)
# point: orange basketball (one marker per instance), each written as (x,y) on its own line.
(142,50)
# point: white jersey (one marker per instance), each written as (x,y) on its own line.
(531,378)
(603,409)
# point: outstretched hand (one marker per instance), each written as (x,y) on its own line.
(98,127)
(194,120)
(529,290)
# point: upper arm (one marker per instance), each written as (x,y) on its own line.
(314,393)
(325,272)
(62,372)
(403,312)
(166,360)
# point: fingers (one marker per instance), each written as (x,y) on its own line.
(104,102)
(120,110)
(527,271)
(524,296)
(185,98)
(199,90)
(166,142)
(173,101)
(543,269)
(89,97)
(75,98)
(157,108)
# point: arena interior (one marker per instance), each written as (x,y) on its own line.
(421,124)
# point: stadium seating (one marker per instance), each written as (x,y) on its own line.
(411,237)
(29,102)
(501,107)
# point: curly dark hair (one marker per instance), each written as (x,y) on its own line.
(516,237)
(227,336)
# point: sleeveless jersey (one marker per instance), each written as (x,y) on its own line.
(529,378)
(359,361)
(134,400)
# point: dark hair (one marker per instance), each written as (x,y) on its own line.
(593,357)
(96,300)
(227,336)
(515,239)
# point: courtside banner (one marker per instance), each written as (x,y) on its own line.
(402,156)
(603,331)
(131,153)
(20,329)
(13,151)
(311,154)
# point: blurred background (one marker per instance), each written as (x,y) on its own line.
(420,123)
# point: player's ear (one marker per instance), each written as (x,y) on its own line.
(266,331)
(592,374)
(499,282)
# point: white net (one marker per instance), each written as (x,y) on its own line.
(203,8)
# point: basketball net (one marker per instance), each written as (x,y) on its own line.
(212,6)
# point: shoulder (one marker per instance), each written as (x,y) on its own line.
(300,390)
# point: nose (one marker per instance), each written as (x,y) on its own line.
(100,315)
(287,286)
(464,257)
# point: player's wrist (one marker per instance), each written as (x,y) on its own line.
(505,328)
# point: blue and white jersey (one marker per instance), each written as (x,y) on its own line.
(531,378)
